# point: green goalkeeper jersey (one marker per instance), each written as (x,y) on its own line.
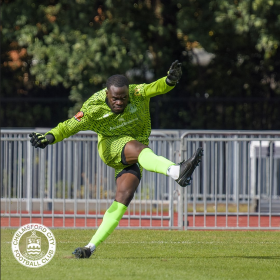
(97,116)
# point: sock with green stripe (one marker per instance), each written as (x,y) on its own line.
(154,163)
(110,221)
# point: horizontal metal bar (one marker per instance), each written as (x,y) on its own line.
(117,228)
(230,132)
(14,139)
(80,216)
(233,214)
(233,228)
(204,139)
(81,200)
(157,131)
(230,139)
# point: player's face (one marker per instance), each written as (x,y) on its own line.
(118,98)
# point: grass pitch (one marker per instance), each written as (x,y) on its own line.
(151,254)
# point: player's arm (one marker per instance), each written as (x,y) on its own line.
(61,131)
(164,84)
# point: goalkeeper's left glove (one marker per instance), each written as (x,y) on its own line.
(174,74)
(39,140)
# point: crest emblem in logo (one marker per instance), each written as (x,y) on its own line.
(33,245)
(137,92)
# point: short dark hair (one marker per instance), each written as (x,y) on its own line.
(117,81)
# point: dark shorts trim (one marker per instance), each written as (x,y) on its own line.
(123,156)
(132,169)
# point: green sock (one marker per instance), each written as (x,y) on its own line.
(110,221)
(151,162)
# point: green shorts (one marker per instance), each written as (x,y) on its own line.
(110,150)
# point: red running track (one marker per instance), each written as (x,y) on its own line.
(194,221)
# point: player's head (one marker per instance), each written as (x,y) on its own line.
(117,93)
(117,81)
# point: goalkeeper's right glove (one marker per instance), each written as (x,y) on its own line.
(39,140)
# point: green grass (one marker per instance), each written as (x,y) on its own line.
(150,254)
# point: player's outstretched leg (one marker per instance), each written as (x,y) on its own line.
(82,253)
(181,172)
(187,168)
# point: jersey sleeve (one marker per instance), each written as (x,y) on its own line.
(80,122)
(156,88)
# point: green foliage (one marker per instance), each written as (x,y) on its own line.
(78,44)
(243,37)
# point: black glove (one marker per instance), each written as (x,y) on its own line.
(39,140)
(174,74)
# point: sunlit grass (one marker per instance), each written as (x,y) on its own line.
(151,254)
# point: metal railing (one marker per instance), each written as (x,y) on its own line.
(68,185)
(68,180)
(238,184)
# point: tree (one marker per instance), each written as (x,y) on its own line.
(244,38)
(71,47)
(80,43)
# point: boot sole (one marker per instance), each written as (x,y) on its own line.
(185,179)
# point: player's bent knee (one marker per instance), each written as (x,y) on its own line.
(139,147)
(124,197)
(133,148)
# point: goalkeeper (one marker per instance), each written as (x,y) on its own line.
(120,115)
